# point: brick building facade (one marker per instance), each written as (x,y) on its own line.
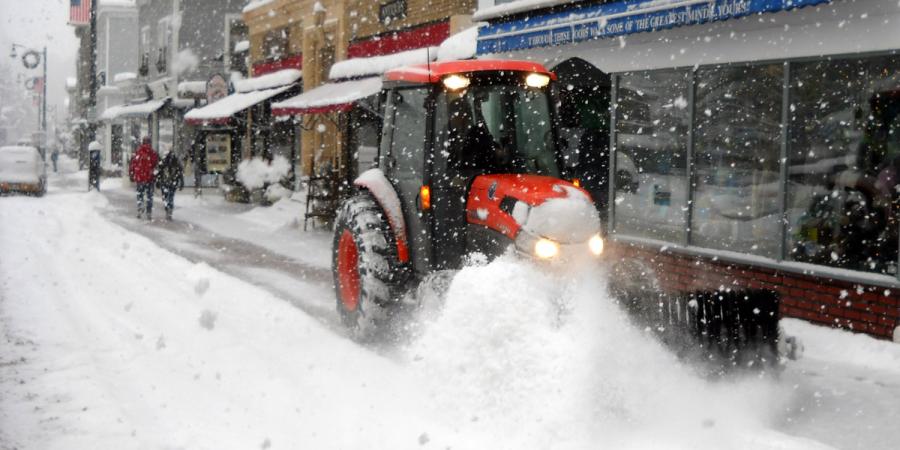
(313,35)
(816,297)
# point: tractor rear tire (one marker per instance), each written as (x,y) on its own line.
(368,275)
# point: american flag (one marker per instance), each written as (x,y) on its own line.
(79,12)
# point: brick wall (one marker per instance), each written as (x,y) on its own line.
(854,306)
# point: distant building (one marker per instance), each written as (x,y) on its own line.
(117,42)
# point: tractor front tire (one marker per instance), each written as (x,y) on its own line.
(368,275)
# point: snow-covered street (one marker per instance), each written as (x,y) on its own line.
(218,330)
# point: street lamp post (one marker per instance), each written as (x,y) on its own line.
(31,64)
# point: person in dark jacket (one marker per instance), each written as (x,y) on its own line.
(141,171)
(169,178)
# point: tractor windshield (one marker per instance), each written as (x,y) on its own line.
(496,128)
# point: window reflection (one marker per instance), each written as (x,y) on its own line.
(652,124)
(736,157)
(844,163)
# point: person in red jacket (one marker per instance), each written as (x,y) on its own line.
(142,172)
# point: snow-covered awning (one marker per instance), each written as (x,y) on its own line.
(377,65)
(329,97)
(272,80)
(135,110)
(221,111)
(589,21)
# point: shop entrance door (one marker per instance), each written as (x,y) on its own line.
(584,118)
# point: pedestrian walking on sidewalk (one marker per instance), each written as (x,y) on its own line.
(169,178)
(141,171)
(54,157)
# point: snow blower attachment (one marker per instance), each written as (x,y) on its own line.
(468,162)
(725,331)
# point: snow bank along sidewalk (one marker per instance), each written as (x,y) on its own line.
(111,342)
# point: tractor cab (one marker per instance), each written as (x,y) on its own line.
(467,163)
(447,124)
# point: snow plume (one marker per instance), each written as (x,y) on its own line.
(532,360)
(255,172)
(185,61)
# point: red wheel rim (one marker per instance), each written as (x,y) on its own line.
(348,271)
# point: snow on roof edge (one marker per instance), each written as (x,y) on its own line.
(462,45)
(515,7)
(268,81)
(377,65)
(255,4)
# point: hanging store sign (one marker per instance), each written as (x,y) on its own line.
(391,11)
(218,152)
(583,23)
(216,89)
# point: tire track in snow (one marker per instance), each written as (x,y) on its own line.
(304,286)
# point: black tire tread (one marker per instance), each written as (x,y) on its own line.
(382,275)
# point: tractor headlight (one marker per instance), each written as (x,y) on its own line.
(456,82)
(545,248)
(537,80)
(596,245)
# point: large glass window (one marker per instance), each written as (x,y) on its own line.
(844,163)
(409,132)
(737,131)
(652,125)
(499,128)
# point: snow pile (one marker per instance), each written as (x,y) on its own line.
(540,362)
(254,173)
(461,45)
(120,346)
(242,46)
(569,219)
(845,347)
(276,192)
(376,65)
(124,76)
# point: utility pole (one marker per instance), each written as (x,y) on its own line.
(93,159)
(92,101)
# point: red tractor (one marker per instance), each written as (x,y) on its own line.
(467,163)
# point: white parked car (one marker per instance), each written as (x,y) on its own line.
(22,169)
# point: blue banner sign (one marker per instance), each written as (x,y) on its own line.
(586,22)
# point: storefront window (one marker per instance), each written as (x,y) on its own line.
(844,163)
(736,159)
(652,124)
(166,135)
